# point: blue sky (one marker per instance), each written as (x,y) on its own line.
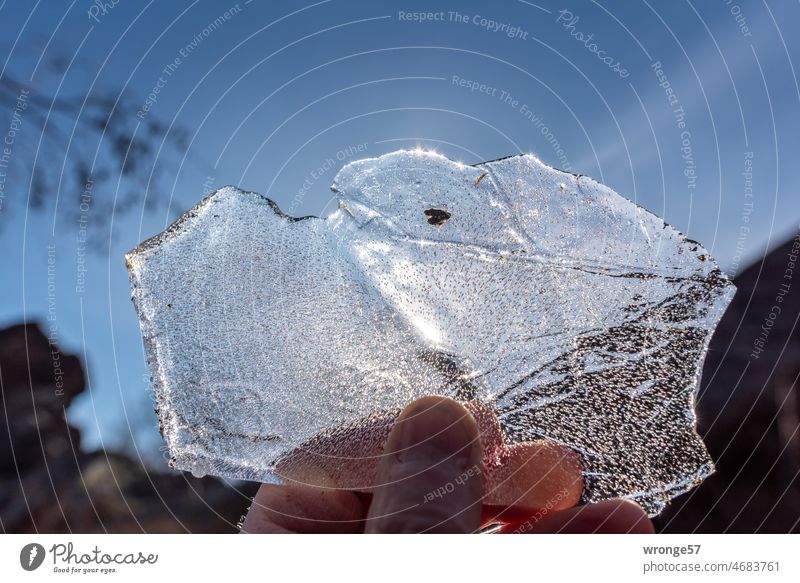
(668,103)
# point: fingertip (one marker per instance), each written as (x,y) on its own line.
(429,476)
(438,409)
(533,477)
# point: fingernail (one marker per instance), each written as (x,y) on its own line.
(434,429)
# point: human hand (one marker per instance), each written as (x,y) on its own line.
(444,468)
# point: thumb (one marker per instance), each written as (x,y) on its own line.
(429,478)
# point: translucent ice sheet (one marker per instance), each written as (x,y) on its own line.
(571,312)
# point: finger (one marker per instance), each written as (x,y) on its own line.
(304,509)
(343,457)
(429,478)
(347,456)
(607,517)
(530,477)
(519,479)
